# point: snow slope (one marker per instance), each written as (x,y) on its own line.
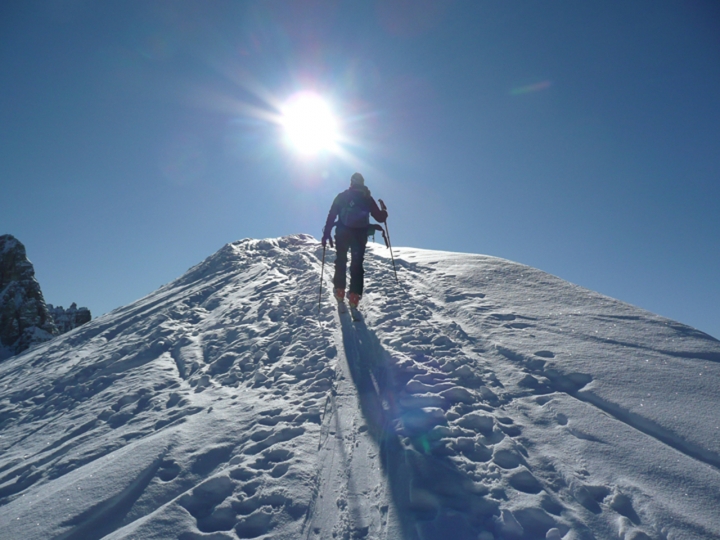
(478,399)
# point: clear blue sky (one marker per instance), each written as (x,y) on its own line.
(581,138)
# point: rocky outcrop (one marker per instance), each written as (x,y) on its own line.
(67,319)
(24,317)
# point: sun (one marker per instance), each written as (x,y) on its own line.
(309,123)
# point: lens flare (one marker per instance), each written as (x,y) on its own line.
(309,123)
(544,85)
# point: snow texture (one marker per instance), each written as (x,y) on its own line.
(477,399)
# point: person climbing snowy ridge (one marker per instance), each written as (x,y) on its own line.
(481,400)
(353,207)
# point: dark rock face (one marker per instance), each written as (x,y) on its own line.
(24,317)
(67,319)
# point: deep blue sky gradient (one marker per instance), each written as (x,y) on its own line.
(131,147)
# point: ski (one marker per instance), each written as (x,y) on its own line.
(355,314)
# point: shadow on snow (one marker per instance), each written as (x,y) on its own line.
(429,493)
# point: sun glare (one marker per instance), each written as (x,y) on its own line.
(310,126)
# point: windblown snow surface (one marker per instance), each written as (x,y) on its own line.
(478,399)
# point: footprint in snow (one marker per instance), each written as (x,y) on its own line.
(210,458)
(169,470)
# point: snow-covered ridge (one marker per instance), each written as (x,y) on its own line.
(478,399)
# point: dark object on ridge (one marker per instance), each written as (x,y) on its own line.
(372,229)
(353,207)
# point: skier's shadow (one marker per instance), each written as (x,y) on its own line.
(428,491)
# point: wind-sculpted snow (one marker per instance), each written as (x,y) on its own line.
(478,399)
(195,410)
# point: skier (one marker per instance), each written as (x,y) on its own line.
(353,207)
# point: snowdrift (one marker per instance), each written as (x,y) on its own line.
(478,399)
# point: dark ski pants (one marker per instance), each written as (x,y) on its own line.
(354,240)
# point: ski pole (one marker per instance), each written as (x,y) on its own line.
(322,270)
(387,230)
(392,258)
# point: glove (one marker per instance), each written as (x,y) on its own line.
(383,208)
(326,240)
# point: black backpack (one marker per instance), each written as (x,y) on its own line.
(355,210)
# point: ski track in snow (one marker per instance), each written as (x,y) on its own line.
(478,398)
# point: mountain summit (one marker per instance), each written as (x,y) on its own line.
(478,399)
